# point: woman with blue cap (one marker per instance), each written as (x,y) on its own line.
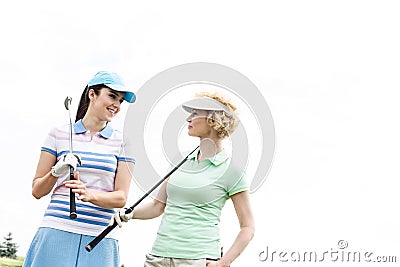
(102,180)
(192,198)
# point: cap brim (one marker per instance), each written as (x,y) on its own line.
(129,97)
(205,103)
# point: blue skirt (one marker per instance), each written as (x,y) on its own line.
(52,247)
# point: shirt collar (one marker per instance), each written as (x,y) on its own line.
(80,128)
(217,160)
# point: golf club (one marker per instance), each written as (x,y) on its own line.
(103,234)
(72,204)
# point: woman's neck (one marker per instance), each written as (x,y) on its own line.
(93,125)
(209,148)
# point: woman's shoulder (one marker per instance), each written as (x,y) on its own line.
(117,134)
(58,128)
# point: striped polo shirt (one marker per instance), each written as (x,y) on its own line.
(100,156)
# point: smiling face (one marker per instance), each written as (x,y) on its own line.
(106,104)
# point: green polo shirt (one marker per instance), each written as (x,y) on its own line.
(197,192)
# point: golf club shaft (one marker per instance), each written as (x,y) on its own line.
(72,204)
(109,228)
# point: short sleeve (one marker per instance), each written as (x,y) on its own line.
(126,154)
(240,186)
(237,182)
(49,144)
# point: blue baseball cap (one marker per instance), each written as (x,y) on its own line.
(114,81)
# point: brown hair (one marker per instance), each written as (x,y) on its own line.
(84,102)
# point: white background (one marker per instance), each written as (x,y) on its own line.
(329,71)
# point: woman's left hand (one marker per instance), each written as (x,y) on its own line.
(214,264)
(79,188)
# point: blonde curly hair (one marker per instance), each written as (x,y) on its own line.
(224,123)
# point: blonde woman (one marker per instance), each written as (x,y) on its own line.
(191,199)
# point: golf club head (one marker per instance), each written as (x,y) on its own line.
(67,102)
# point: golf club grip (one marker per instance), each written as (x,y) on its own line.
(72,204)
(100,237)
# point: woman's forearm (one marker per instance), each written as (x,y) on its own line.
(149,210)
(242,240)
(41,186)
(108,200)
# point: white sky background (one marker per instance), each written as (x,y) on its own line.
(329,71)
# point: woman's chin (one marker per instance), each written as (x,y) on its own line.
(191,134)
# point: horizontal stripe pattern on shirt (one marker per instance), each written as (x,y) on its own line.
(100,155)
(86,214)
